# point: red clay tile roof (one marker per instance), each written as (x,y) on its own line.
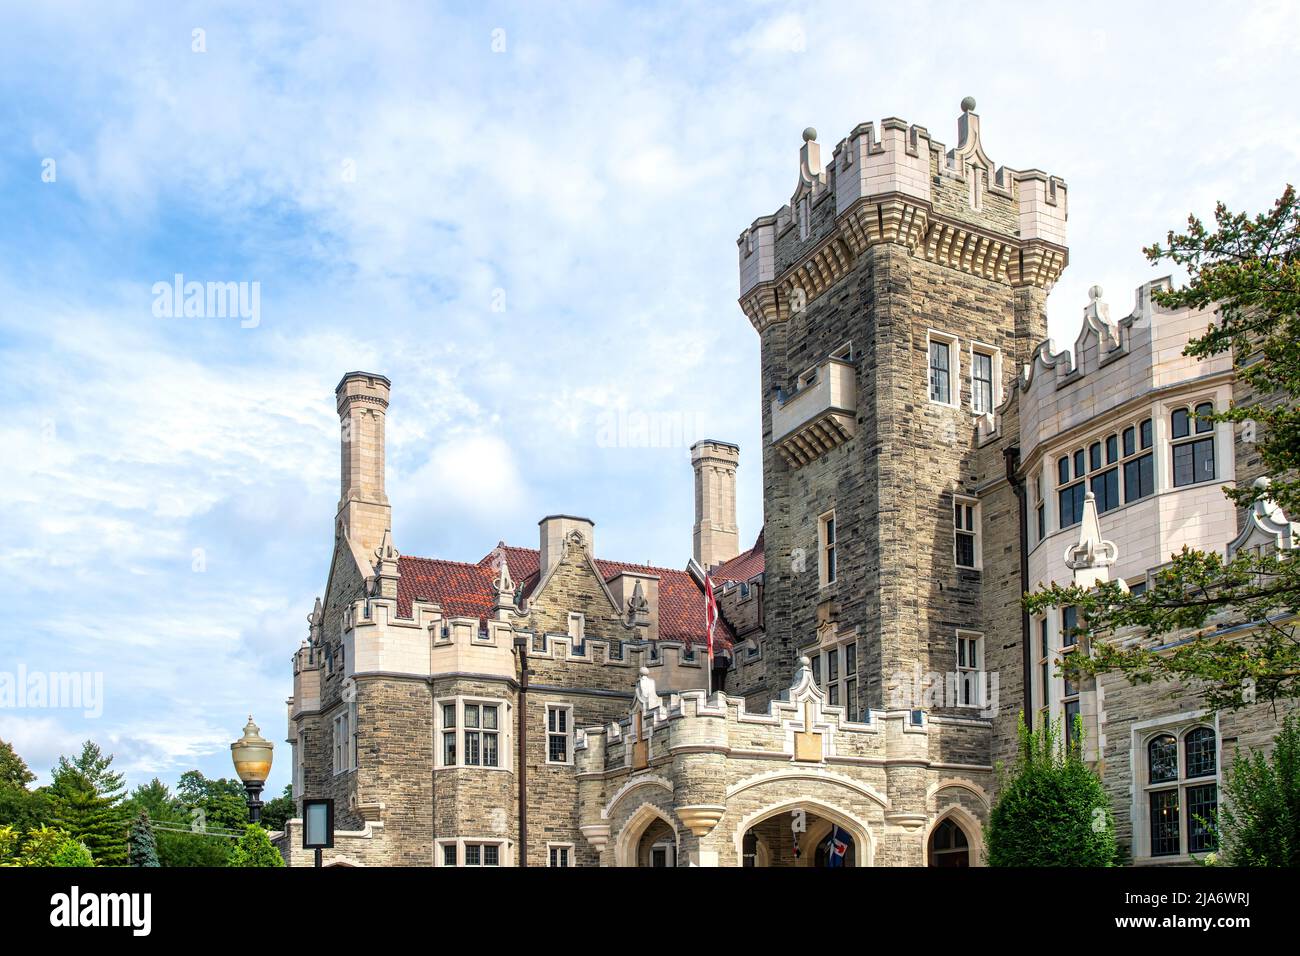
(743,566)
(465,590)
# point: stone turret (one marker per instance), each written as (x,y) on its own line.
(716,538)
(364,514)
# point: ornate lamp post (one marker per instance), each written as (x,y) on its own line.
(252,756)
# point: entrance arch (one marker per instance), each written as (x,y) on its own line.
(649,838)
(952,842)
(769,838)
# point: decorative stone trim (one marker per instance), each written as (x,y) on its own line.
(701,818)
(597,835)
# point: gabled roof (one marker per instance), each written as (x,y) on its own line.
(465,590)
(743,566)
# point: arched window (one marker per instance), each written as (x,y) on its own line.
(1182,791)
(1200,753)
(1162,758)
(948,845)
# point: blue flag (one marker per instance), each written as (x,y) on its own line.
(839,847)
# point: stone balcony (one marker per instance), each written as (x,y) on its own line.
(819,416)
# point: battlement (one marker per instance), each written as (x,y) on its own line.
(1113,362)
(893,183)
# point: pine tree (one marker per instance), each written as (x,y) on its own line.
(144,848)
(255,849)
(87,799)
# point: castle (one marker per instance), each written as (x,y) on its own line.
(927,457)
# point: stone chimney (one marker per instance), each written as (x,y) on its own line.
(555,530)
(364,514)
(716,538)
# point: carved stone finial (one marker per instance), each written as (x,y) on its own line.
(1091,558)
(809,134)
(968,104)
(637,606)
(503,583)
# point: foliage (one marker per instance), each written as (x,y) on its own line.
(276,812)
(1259,821)
(255,849)
(20,807)
(9,841)
(1248,269)
(178,844)
(223,802)
(1051,808)
(43,846)
(87,804)
(143,845)
(13,771)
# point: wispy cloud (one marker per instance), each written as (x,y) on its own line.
(526,217)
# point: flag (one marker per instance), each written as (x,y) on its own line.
(710,615)
(839,847)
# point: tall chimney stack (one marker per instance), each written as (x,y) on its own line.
(716,538)
(364,514)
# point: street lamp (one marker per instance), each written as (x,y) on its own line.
(252,756)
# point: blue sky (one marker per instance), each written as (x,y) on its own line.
(589,166)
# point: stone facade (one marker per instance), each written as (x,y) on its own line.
(926,454)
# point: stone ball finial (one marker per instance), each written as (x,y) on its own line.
(968,104)
(805,662)
(645,671)
(1094,293)
(809,134)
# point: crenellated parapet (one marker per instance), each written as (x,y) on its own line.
(1113,363)
(892,183)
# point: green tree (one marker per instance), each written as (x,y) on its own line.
(1248,270)
(276,812)
(88,804)
(255,849)
(47,846)
(143,846)
(179,845)
(1051,808)
(13,771)
(20,807)
(223,802)
(1259,821)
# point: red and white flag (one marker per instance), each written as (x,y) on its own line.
(710,619)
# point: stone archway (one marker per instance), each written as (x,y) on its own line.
(782,845)
(954,839)
(648,838)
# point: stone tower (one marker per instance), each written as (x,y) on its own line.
(716,537)
(364,514)
(895,297)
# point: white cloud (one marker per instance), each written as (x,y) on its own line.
(592,180)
